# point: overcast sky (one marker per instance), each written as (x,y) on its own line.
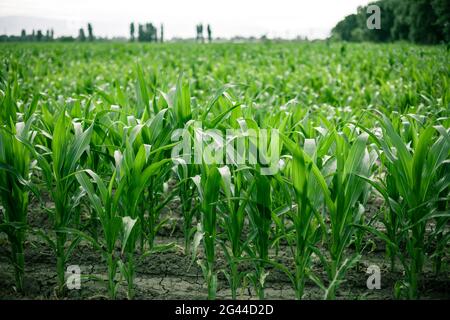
(275,18)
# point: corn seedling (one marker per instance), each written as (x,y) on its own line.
(307,221)
(209,190)
(59,165)
(102,199)
(342,199)
(233,214)
(414,182)
(260,216)
(133,173)
(15,163)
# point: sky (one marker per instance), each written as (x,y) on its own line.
(273,18)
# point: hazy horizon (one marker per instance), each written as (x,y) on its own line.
(282,18)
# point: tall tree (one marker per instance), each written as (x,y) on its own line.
(90,32)
(161,30)
(148,32)
(344,28)
(442,10)
(81,35)
(209,33)
(132,31)
(200,29)
(423,23)
(39,35)
(141,33)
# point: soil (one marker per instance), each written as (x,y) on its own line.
(170,275)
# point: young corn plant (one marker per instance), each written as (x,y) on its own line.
(15,164)
(186,188)
(440,234)
(179,103)
(260,208)
(183,114)
(133,173)
(114,227)
(232,221)
(260,216)
(412,189)
(208,185)
(156,131)
(59,165)
(307,221)
(342,198)
(188,206)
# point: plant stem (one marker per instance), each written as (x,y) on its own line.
(60,261)
(130,278)
(111,275)
(18,260)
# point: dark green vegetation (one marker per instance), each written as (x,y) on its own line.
(85,138)
(420,21)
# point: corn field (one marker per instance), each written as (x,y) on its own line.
(97,177)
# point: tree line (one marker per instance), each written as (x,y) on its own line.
(49,35)
(419,21)
(38,35)
(82,35)
(199,37)
(149,33)
(146,32)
